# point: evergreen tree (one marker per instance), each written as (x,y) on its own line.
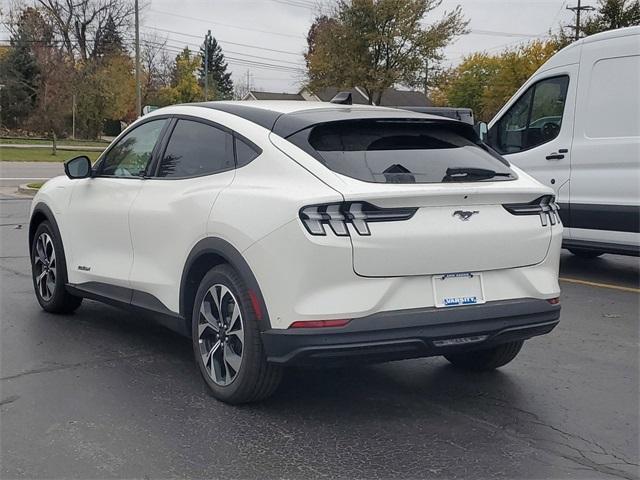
(109,41)
(19,71)
(220,83)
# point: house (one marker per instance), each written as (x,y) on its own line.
(256,95)
(391,97)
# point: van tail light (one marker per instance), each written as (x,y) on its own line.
(319,323)
(358,214)
(545,206)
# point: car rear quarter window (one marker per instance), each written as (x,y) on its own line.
(196,149)
(245,152)
(402,151)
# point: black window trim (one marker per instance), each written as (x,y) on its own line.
(164,142)
(97,167)
(533,86)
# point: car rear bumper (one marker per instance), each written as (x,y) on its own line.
(413,333)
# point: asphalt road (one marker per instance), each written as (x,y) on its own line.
(13,174)
(105,394)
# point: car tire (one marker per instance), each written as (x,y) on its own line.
(486,359)
(49,272)
(228,348)
(579,252)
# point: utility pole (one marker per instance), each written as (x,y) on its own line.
(138,93)
(73,118)
(206,66)
(577,9)
(426,76)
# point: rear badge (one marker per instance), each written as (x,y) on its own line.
(464,215)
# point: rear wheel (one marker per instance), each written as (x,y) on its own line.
(48,271)
(486,359)
(226,340)
(582,253)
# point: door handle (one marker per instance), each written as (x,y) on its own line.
(555,156)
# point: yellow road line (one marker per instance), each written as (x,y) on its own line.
(601,285)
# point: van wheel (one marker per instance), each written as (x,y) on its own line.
(486,359)
(48,270)
(579,252)
(226,340)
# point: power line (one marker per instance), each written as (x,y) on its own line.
(226,24)
(287,52)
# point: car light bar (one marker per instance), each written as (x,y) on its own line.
(358,214)
(545,206)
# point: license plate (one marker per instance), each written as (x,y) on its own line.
(458,289)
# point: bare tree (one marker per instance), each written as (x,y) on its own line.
(80,23)
(156,65)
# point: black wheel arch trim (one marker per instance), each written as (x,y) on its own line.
(225,250)
(44,210)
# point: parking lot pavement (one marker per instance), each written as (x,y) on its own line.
(106,394)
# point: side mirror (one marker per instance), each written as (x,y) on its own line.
(482,130)
(78,167)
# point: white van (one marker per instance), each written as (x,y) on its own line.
(575,126)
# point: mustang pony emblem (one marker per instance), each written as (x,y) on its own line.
(464,215)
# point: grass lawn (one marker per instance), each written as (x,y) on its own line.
(61,141)
(35,185)
(41,155)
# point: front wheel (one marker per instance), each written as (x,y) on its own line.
(48,271)
(226,340)
(486,359)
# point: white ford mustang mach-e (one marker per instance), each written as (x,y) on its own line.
(293,233)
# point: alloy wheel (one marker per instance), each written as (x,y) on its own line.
(221,334)
(45,266)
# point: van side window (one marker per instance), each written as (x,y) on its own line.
(534,119)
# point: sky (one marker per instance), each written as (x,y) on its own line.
(263,40)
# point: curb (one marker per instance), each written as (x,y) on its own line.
(27,190)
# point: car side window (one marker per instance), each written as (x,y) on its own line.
(245,153)
(196,149)
(534,119)
(130,156)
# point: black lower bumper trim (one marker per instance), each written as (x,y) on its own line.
(413,333)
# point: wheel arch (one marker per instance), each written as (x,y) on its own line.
(42,212)
(206,254)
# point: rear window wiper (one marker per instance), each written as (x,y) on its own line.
(460,174)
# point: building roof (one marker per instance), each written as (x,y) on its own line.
(256,95)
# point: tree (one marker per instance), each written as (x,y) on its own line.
(156,66)
(612,14)
(20,72)
(485,82)
(609,15)
(184,86)
(80,23)
(109,40)
(375,44)
(219,80)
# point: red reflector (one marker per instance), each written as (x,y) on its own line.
(554,301)
(255,303)
(319,323)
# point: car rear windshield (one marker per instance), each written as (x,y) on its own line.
(403,151)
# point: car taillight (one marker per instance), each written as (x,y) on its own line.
(358,214)
(545,206)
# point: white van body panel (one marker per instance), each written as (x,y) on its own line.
(597,182)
